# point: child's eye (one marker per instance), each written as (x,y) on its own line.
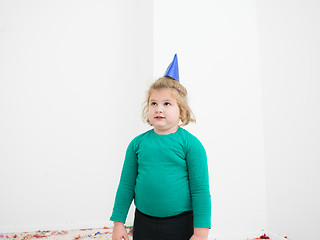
(167,104)
(153,104)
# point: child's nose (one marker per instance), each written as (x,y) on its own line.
(159,109)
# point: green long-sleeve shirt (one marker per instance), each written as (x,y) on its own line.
(165,175)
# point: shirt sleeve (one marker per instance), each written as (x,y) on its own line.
(199,184)
(125,192)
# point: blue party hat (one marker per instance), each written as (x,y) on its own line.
(173,70)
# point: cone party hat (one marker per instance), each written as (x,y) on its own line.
(173,70)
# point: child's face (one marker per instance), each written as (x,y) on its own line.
(164,112)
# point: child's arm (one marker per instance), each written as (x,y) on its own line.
(199,184)
(200,233)
(125,192)
(119,231)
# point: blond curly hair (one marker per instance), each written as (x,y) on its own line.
(180,93)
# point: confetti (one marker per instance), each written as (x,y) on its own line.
(104,233)
(264,236)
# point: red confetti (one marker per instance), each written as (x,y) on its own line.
(264,236)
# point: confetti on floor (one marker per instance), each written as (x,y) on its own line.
(90,233)
(82,234)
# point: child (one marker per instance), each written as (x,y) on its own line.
(165,171)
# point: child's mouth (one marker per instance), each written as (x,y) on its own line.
(159,117)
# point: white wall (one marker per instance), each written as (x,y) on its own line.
(71,87)
(217,46)
(289,43)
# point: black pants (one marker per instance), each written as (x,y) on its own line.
(179,227)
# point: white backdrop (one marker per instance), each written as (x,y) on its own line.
(290,69)
(71,91)
(72,79)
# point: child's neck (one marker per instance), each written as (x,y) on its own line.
(166,132)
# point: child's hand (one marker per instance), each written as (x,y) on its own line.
(119,231)
(200,233)
(196,237)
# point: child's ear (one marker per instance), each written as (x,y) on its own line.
(182,112)
(182,115)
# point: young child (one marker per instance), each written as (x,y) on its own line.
(165,171)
